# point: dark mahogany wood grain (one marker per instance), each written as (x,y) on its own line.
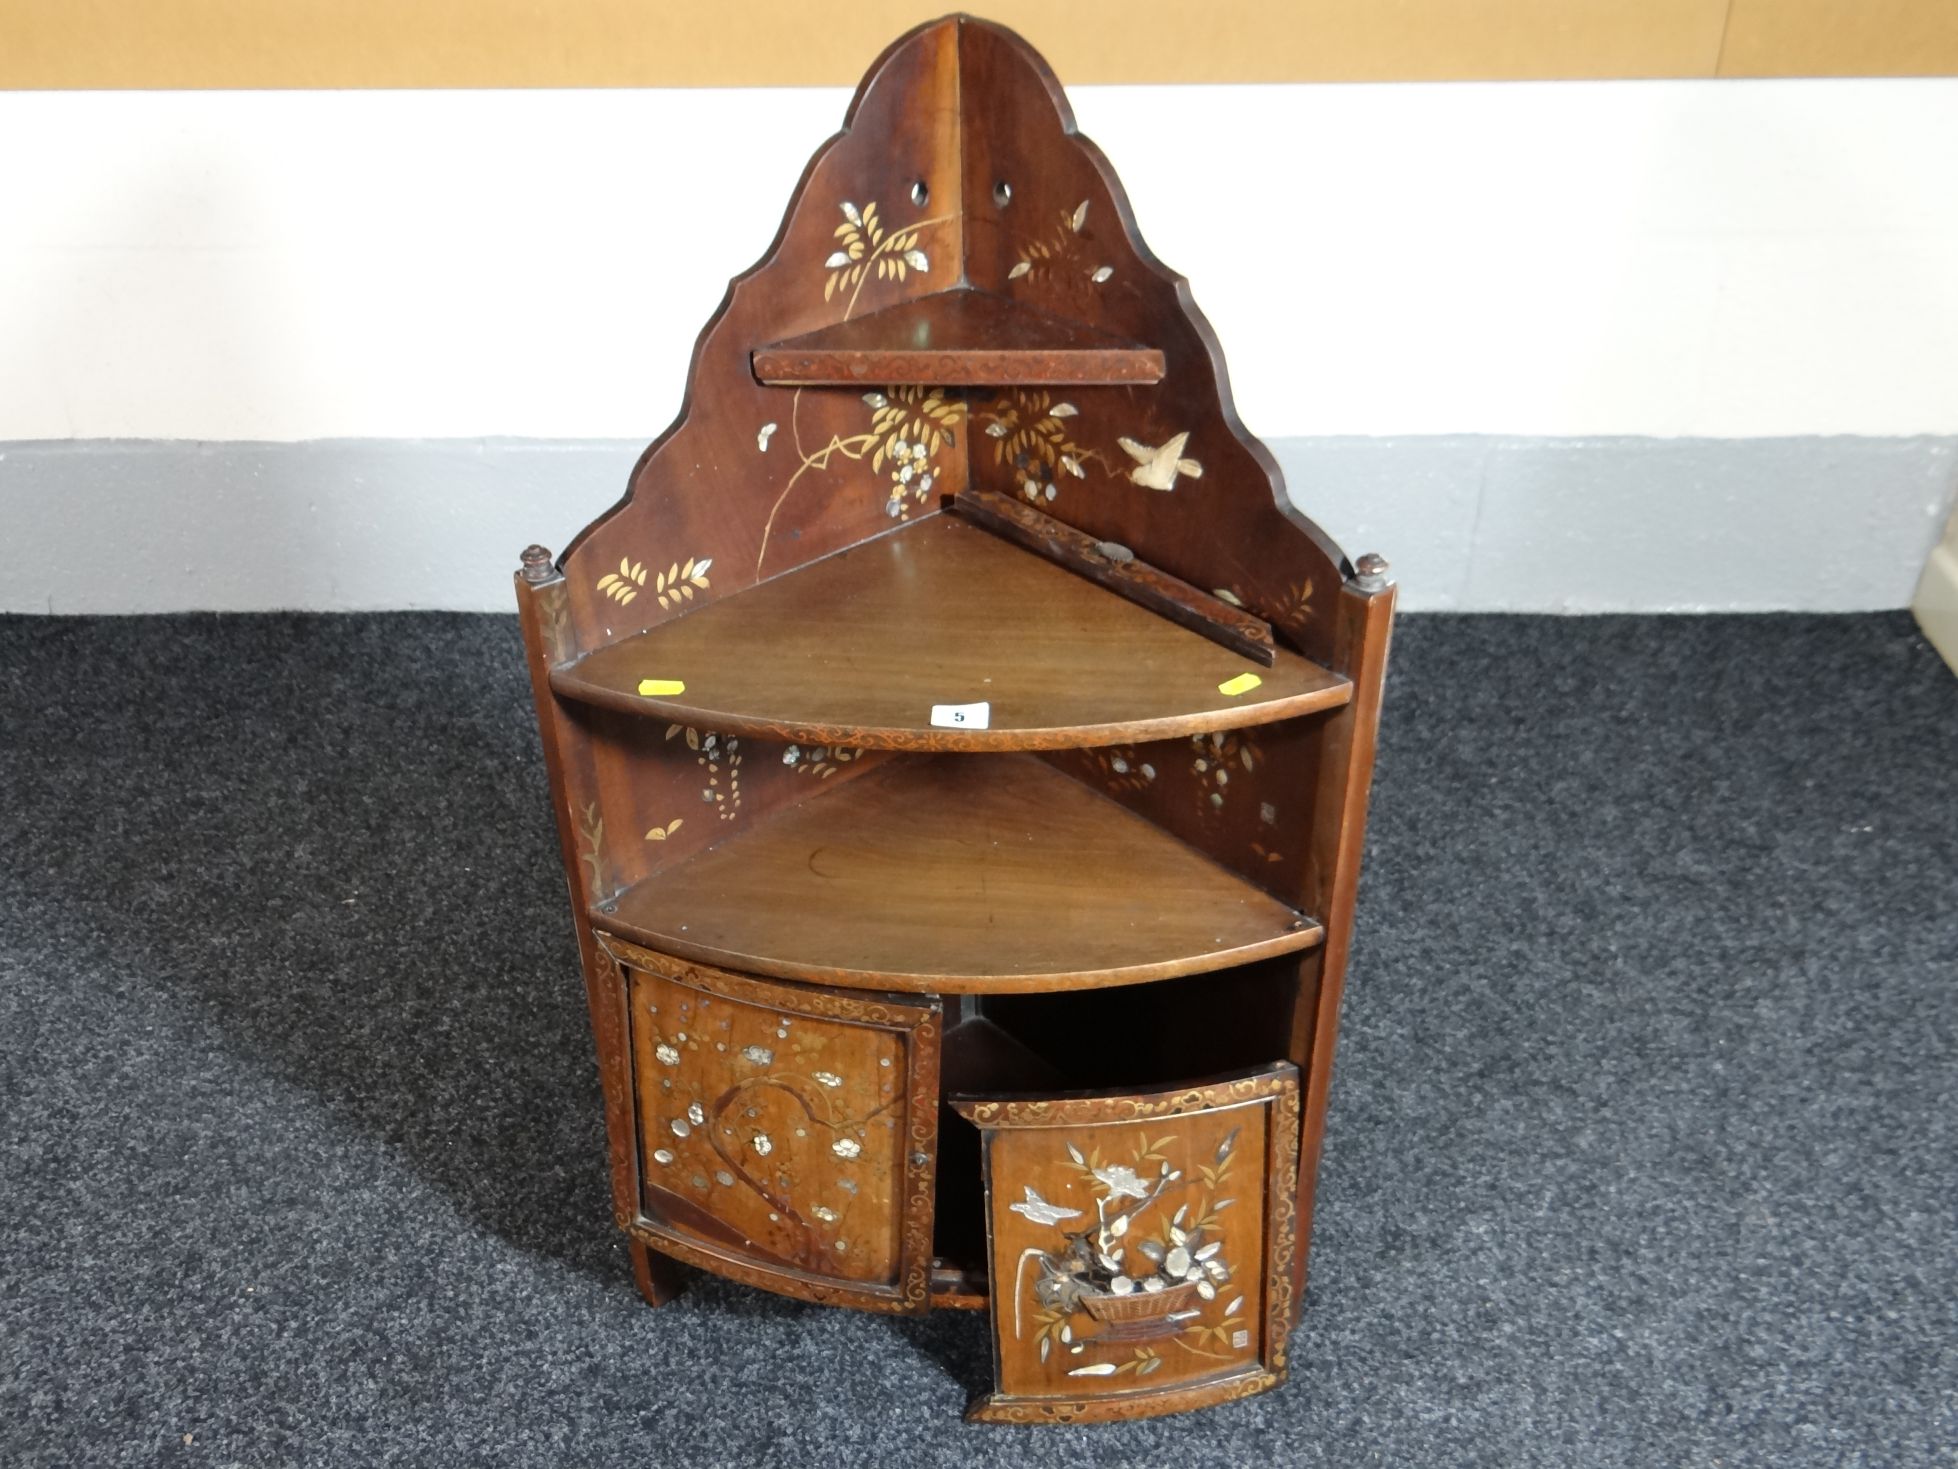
(957,337)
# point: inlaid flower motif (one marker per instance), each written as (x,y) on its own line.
(624,584)
(862,242)
(827,1078)
(1165,1278)
(827,1215)
(696,1114)
(591,833)
(760,1055)
(762,1143)
(846,1147)
(1213,759)
(1055,249)
(678,583)
(909,426)
(1120,768)
(1121,1182)
(819,761)
(667,1054)
(1030,433)
(720,756)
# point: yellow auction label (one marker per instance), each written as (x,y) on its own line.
(1242,684)
(661,686)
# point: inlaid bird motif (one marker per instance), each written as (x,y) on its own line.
(1040,1211)
(1156,469)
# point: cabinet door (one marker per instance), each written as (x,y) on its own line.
(782,1135)
(1141,1247)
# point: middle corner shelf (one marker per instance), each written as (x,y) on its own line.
(957,874)
(857,648)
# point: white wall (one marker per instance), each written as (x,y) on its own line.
(485,301)
(1716,259)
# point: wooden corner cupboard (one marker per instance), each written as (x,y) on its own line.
(960,750)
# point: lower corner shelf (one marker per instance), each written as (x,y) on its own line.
(957,873)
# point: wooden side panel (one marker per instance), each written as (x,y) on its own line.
(1141,1247)
(1344,782)
(541,608)
(783,1135)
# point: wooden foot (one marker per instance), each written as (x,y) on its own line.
(659,1278)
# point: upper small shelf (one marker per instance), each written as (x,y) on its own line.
(960,337)
(856,649)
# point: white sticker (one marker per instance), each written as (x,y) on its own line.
(962,716)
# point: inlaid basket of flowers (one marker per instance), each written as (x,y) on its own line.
(1135,1284)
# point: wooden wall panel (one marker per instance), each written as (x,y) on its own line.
(1782,38)
(637,43)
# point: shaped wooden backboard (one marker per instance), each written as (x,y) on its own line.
(958,166)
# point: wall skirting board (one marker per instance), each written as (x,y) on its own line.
(1936,602)
(1472,523)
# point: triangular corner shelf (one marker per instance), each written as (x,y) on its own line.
(958,337)
(856,649)
(904,898)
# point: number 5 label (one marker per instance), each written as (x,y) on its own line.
(962,716)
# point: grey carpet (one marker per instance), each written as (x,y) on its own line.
(1642,1143)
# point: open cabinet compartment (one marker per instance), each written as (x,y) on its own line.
(956,728)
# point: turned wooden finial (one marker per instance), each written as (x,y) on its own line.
(1370,573)
(537,563)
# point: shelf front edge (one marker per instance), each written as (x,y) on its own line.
(1309,935)
(567,685)
(784,367)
